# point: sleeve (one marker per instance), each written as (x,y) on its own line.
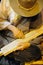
(4,24)
(5,5)
(12,15)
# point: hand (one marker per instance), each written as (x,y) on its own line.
(16,32)
(23,46)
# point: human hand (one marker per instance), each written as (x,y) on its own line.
(22,46)
(16,32)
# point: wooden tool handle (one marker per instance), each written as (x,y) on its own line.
(33,34)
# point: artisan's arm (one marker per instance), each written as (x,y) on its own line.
(16,32)
(12,16)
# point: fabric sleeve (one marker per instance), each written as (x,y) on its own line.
(8,11)
(4,24)
(12,15)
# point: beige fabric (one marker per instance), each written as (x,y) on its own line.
(6,13)
(4,24)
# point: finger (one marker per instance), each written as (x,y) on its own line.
(20,48)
